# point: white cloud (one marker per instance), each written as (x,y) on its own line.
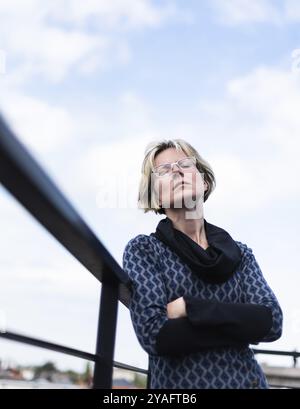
(255,129)
(50,51)
(111,172)
(235,12)
(43,39)
(66,277)
(251,139)
(120,14)
(292,10)
(246,11)
(43,127)
(274,95)
(113,163)
(265,106)
(51,38)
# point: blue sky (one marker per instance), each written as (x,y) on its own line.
(85,85)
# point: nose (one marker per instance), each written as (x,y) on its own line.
(178,168)
(177,173)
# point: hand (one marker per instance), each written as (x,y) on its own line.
(176,308)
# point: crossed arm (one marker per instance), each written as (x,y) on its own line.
(189,324)
(177,308)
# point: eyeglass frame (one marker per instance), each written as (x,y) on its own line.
(171,164)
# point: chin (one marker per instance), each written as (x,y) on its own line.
(181,198)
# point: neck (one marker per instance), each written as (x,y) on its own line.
(192,227)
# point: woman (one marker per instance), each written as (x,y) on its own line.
(199,298)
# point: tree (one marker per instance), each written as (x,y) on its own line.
(87,374)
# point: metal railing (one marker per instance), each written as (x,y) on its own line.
(25,179)
(294,354)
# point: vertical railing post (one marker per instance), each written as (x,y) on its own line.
(295,358)
(148,376)
(107,322)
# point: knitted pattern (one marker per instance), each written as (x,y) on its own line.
(158,276)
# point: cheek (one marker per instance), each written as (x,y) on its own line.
(199,190)
(194,179)
(197,183)
(163,188)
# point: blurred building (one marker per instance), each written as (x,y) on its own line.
(280,376)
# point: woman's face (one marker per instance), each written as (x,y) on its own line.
(183,188)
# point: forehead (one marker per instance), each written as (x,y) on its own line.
(168,155)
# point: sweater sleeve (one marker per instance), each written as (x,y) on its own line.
(257,291)
(157,334)
(243,321)
(148,303)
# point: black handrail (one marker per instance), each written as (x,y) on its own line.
(293,354)
(12,336)
(25,179)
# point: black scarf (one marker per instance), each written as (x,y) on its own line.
(216,264)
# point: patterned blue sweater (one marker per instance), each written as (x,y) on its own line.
(158,276)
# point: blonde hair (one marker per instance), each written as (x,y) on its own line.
(145,199)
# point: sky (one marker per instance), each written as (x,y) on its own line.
(86,86)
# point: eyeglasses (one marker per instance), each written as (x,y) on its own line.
(166,168)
